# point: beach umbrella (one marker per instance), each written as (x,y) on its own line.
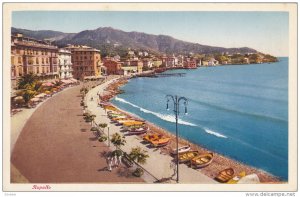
(19,98)
(47,92)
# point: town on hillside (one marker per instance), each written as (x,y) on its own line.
(49,62)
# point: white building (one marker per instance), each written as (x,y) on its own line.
(65,64)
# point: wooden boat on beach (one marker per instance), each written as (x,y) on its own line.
(115,115)
(132,123)
(112,108)
(115,119)
(163,141)
(151,137)
(235,179)
(139,131)
(187,156)
(202,160)
(181,149)
(225,175)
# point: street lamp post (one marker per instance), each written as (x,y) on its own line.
(176,100)
(108,137)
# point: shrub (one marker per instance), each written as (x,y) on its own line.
(138,172)
(102,138)
(94,129)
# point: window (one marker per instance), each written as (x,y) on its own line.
(43,61)
(20,71)
(19,59)
(37,61)
(37,69)
(30,61)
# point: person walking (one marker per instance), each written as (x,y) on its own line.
(109,163)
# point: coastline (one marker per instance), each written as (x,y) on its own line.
(219,163)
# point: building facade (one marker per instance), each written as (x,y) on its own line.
(29,55)
(86,61)
(113,67)
(65,64)
(189,63)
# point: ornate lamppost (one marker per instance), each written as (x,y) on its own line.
(176,100)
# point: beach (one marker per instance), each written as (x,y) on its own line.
(219,163)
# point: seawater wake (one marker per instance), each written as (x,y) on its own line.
(214,133)
(171,118)
(166,117)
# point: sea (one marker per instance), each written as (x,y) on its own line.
(240,111)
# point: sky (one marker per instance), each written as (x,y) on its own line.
(267,32)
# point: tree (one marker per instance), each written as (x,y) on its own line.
(37,86)
(103,125)
(27,79)
(138,155)
(118,140)
(28,94)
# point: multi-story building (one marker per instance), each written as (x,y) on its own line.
(169,61)
(65,64)
(147,63)
(113,67)
(156,62)
(86,61)
(29,55)
(138,64)
(189,63)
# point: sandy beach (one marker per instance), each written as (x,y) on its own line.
(162,155)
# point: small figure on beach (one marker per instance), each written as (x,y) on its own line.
(116,164)
(109,163)
(92,98)
(119,159)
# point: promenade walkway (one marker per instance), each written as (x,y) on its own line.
(158,164)
(56,146)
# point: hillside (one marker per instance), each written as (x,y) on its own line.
(111,41)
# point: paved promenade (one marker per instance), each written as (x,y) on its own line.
(57,146)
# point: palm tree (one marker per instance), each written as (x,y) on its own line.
(37,86)
(138,155)
(118,140)
(103,125)
(27,79)
(28,94)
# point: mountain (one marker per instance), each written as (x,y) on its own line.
(110,40)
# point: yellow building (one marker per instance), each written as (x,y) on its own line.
(86,61)
(29,55)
